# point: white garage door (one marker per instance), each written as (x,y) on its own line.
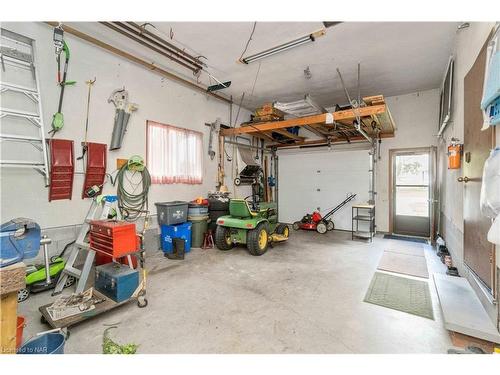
(320,180)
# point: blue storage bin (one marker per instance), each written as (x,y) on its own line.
(116,281)
(169,232)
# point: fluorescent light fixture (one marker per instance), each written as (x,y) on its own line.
(284,47)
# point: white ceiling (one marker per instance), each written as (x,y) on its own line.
(396,58)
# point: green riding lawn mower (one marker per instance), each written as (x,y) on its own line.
(254,225)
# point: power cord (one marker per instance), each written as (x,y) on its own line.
(248,41)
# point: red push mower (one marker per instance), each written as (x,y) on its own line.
(320,224)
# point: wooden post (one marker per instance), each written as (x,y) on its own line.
(12,278)
(8,323)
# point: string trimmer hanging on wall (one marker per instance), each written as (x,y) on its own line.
(119,98)
(60,46)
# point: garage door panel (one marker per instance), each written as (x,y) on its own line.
(334,173)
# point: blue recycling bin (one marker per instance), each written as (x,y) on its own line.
(169,232)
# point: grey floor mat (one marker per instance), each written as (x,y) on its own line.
(413,265)
(404,238)
(400,293)
(417,251)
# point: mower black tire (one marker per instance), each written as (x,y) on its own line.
(69,281)
(282,229)
(296,225)
(321,227)
(23,294)
(330,225)
(223,238)
(255,244)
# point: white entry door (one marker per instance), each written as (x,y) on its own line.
(411,193)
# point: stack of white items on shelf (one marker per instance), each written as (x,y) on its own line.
(490,194)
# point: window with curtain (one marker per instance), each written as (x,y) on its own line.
(174,155)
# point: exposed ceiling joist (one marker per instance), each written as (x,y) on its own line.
(312,128)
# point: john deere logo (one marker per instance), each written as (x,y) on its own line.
(177,214)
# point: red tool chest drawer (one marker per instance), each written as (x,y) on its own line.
(114,238)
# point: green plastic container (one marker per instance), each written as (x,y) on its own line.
(198,229)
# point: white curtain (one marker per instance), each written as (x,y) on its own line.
(174,155)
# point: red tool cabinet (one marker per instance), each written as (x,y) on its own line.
(113,238)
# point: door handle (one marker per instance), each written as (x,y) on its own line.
(463,179)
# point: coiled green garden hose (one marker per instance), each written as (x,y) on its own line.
(131,204)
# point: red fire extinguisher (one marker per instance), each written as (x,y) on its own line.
(454,154)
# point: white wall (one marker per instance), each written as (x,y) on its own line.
(416,119)
(468,43)
(22,190)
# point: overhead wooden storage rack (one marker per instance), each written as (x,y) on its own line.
(338,126)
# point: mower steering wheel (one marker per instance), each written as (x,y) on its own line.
(254,206)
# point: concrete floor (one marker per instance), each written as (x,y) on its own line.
(304,296)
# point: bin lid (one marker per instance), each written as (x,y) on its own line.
(197,217)
(172,203)
(196,205)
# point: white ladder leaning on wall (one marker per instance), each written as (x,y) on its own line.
(17,59)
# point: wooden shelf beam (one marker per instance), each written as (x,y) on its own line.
(348,114)
(319,142)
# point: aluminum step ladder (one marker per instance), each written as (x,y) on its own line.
(99,210)
(17,55)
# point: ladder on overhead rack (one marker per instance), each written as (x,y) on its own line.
(21,105)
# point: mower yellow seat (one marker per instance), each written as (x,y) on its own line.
(240,208)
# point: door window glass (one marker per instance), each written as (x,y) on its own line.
(412,201)
(411,173)
(412,169)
